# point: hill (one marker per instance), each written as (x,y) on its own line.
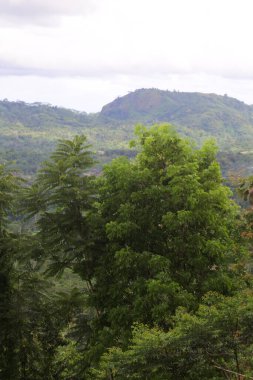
(28,132)
(196,115)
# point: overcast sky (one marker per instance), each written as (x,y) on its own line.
(82,54)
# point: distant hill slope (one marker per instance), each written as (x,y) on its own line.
(40,115)
(28,132)
(196,115)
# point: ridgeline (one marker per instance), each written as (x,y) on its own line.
(29,132)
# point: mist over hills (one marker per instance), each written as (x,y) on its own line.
(28,132)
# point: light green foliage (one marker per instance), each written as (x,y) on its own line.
(206,345)
(171,234)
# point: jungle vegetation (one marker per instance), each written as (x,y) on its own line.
(143,272)
(29,132)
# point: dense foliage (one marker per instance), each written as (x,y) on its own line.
(143,272)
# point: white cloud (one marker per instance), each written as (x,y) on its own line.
(45,12)
(125,44)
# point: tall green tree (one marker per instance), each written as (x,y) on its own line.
(146,237)
(171,234)
(60,200)
(60,205)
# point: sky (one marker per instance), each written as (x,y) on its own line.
(82,54)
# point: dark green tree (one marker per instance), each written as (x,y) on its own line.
(8,241)
(60,200)
(60,205)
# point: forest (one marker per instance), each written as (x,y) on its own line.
(29,132)
(141,272)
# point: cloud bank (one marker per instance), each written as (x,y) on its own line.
(42,12)
(116,46)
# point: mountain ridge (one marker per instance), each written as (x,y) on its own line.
(29,132)
(195,115)
(151,97)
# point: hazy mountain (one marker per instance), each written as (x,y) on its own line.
(196,115)
(28,132)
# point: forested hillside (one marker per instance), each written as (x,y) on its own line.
(29,132)
(143,272)
(195,115)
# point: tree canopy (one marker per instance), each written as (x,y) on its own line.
(139,273)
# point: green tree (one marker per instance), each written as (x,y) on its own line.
(214,343)
(148,236)
(8,187)
(171,234)
(35,310)
(60,200)
(60,205)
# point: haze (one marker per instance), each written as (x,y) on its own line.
(82,54)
